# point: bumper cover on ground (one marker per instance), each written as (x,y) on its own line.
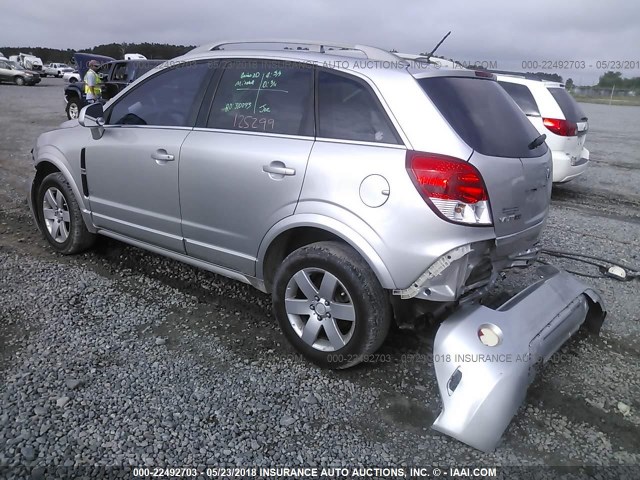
(483,386)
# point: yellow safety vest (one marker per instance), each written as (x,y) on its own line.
(96,90)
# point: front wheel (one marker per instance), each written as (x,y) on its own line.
(60,216)
(19,81)
(73,108)
(330,305)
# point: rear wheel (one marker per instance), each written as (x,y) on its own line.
(330,304)
(60,217)
(19,81)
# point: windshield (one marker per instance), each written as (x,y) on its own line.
(16,66)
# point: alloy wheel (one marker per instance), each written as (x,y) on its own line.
(320,309)
(73,110)
(55,212)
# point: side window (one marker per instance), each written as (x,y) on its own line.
(164,99)
(120,72)
(348,110)
(273,97)
(522,96)
(103,71)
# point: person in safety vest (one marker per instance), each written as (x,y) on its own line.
(92,83)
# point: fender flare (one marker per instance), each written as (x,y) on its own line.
(336,227)
(53,156)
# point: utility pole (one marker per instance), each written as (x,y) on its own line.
(612,90)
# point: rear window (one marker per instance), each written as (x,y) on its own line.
(568,105)
(483,115)
(522,96)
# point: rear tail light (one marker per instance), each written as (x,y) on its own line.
(452,187)
(564,128)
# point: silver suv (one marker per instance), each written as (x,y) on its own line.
(347,182)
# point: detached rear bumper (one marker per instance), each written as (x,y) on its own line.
(483,386)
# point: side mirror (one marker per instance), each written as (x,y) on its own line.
(91,116)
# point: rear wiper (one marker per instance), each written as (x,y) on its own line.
(537,142)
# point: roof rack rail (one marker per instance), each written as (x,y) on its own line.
(372,53)
(530,76)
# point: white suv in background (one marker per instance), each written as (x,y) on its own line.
(554,112)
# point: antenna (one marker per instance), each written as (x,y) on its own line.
(429,55)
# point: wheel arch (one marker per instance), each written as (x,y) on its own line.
(300,230)
(51,164)
(73,92)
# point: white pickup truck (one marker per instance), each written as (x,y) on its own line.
(56,69)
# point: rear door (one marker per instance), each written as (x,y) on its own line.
(517,176)
(242,169)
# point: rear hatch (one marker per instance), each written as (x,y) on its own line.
(576,118)
(517,173)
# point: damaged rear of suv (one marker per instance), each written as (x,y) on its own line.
(500,185)
(346,182)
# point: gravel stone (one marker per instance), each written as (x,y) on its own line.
(28,453)
(287,421)
(72,384)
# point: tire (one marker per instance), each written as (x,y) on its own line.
(19,81)
(60,217)
(72,80)
(331,271)
(74,105)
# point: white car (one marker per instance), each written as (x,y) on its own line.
(56,69)
(71,77)
(554,112)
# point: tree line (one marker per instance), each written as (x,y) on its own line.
(160,51)
(611,79)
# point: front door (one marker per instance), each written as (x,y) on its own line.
(132,170)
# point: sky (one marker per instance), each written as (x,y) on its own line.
(585,36)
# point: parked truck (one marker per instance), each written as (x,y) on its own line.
(27,61)
(115,75)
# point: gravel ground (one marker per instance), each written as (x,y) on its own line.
(122,357)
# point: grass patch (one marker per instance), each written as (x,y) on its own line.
(633,101)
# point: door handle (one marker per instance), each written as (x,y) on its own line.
(278,168)
(162,156)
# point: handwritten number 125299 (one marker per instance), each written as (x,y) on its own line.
(253,123)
